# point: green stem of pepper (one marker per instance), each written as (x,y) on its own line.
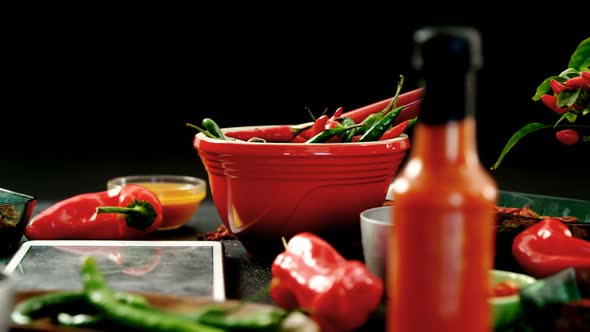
(205,132)
(139,214)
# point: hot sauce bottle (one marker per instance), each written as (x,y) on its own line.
(442,242)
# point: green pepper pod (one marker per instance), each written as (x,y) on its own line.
(79,320)
(381,126)
(325,135)
(213,128)
(102,298)
(217,316)
(51,304)
(372,119)
(48,304)
(348,122)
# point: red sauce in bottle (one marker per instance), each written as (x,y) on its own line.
(442,242)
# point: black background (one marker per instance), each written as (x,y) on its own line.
(92,93)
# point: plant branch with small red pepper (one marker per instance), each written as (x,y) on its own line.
(568,96)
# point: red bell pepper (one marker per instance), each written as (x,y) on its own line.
(339,294)
(126,213)
(548,247)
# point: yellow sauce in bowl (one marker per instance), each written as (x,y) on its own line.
(179,201)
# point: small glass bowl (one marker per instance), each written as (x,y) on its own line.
(16,210)
(180,195)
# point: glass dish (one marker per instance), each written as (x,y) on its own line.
(180,195)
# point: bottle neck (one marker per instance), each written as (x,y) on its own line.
(453,142)
(447,97)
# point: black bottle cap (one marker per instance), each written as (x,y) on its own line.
(447,48)
(447,58)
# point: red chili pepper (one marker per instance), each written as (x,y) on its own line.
(130,212)
(551,102)
(548,247)
(557,86)
(586,75)
(412,99)
(398,129)
(318,126)
(337,113)
(270,134)
(579,82)
(310,274)
(567,136)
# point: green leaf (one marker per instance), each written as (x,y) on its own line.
(571,117)
(580,59)
(561,118)
(567,97)
(544,87)
(529,128)
(568,73)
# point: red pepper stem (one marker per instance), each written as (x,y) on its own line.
(139,214)
(123,210)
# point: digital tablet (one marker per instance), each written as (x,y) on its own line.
(184,268)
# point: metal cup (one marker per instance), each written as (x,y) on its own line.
(375,228)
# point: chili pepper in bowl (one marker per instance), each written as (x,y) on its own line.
(129,212)
(339,294)
(213,128)
(380,127)
(398,129)
(270,134)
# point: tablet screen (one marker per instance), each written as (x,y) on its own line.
(184,268)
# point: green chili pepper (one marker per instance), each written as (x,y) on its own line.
(381,126)
(325,135)
(79,320)
(48,304)
(142,319)
(51,304)
(348,122)
(372,119)
(213,128)
(218,316)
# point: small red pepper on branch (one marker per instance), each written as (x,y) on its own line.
(557,87)
(548,247)
(126,213)
(339,294)
(551,102)
(567,136)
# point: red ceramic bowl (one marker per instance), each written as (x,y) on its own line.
(266,191)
